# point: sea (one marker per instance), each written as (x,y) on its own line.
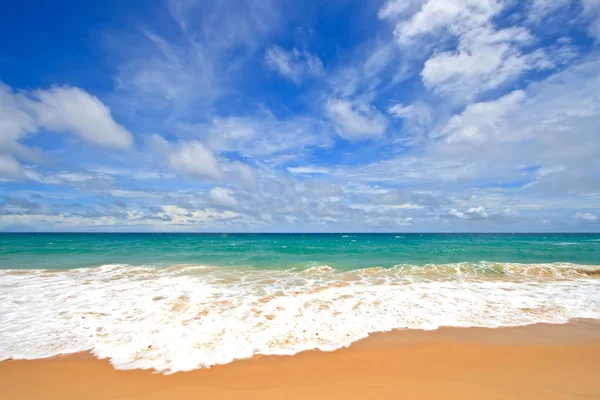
(178,302)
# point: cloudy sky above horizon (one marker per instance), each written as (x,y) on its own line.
(264,115)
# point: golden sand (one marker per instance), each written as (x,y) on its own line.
(537,362)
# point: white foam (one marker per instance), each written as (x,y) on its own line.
(187,317)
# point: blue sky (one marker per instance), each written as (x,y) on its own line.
(412,115)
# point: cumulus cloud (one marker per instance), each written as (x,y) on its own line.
(60,109)
(72,110)
(190,158)
(294,64)
(473,213)
(356,121)
(466,135)
(485,59)
(587,218)
(193,159)
(466,53)
(454,15)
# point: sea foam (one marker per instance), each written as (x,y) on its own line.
(187,317)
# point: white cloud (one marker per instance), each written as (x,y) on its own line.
(484,60)
(243,174)
(356,121)
(222,197)
(193,159)
(58,109)
(473,213)
(228,23)
(189,158)
(394,8)
(467,53)
(378,60)
(591,11)
(10,168)
(160,72)
(456,16)
(70,109)
(308,169)
(15,121)
(480,120)
(417,117)
(261,136)
(586,217)
(194,65)
(294,64)
(543,8)
(179,215)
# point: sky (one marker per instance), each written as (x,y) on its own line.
(300,116)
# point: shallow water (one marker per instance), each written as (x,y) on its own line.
(180,302)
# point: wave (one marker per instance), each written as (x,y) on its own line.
(184,317)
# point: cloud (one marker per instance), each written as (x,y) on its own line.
(480,120)
(10,168)
(417,117)
(540,9)
(22,206)
(587,218)
(473,213)
(59,109)
(294,65)
(261,136)
(451,113)
(591,11)
(465,51)
(178,215)
(189,158)
(87,180)
(356,121)
(485,59)
(165,74)
(394,8)
(308,169)
(72,110)
(222,197)
(242,174)
(201,62)
(228,23)
(193,159)
(15,120)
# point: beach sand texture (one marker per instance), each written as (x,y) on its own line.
(533,362)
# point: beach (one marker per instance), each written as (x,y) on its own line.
(533,362)
(153,316)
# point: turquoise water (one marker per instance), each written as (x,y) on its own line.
(341,251)
(177,302)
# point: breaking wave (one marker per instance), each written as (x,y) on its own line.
(185,317)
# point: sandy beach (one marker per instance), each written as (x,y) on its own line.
(534,362)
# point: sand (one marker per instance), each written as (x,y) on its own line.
(536,362)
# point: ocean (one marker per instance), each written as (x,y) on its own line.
(176,302)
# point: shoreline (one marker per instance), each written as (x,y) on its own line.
(535,361)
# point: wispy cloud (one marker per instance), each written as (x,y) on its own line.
(294,65)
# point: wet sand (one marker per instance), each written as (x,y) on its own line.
(535,362)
